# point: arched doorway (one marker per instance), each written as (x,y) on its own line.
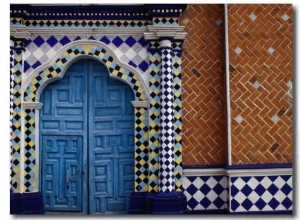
(87,142)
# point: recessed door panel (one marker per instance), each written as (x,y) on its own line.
(87,151)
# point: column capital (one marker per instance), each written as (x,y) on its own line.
(140,104)
(32,105)
(19,32)
(163,32)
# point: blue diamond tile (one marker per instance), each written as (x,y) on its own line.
(246,190)
(204,178)
(234,204)
(191,178)
(286,189)
(39,41)
(273,178)
(117,41)
(27,42)
(273,203)
(105,40)
(91,38)
(287,203)
(260,189)
(142,42)
(260,204)
(132,64)
(65,40)
(77,38)
(52,41)
(205,189)
(218,189)
(273,189)
(247,204)
(26,66)
(233,179)
(218,202)
(205,202)
(234,190)
(130,41)
(285,177)
(36,64)
(246,178)
(143,66)
(259,178)
(192,203)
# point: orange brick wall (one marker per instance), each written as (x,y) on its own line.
(204,108)
(260,42)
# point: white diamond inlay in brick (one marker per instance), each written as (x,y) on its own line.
(256,85)
(285,17)
(219,21)
(271,50)
(238,50)
(290,84)
(252,16)
(275,118)
(239,119)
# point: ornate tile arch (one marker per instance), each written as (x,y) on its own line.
(94,50)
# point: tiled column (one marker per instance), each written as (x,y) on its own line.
(166,145)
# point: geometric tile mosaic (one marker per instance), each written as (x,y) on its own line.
(177,91)
(129,49)
(166,154)
(165,21)
(16,115)
(75,51)
(154,111)
(141,151)
(30,168)
(206,192)
(83,23)
(261,193)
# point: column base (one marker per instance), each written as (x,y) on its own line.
(137,203)
(170,203)
(26,203)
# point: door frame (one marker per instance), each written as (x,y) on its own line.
(116,70)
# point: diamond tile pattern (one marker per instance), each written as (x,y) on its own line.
(141,151)
(177,91)
(206,192)
(166,155)
(154,112)
(261,193)
(30,171)
(165,21)
(83,23)
(16,115)
(90,50)
(129,49)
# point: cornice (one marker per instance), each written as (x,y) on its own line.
(157,32)
(19,32)
(140,104)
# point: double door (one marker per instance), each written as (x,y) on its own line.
(87,142)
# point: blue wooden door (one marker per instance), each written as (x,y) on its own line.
(86,127)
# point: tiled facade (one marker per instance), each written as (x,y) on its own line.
(174,59)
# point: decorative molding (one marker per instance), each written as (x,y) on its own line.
(20,32)
(32,105)
(140,104)
(260,172)
(87,31)
(204,172)
(156,32)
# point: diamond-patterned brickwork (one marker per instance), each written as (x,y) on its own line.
(30,169)
(258,82)
(206,192)
(141,151)
(166,153)
(261,193)
(129,49)
(90,50)
(204,112)
(16,116)
(154,111)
